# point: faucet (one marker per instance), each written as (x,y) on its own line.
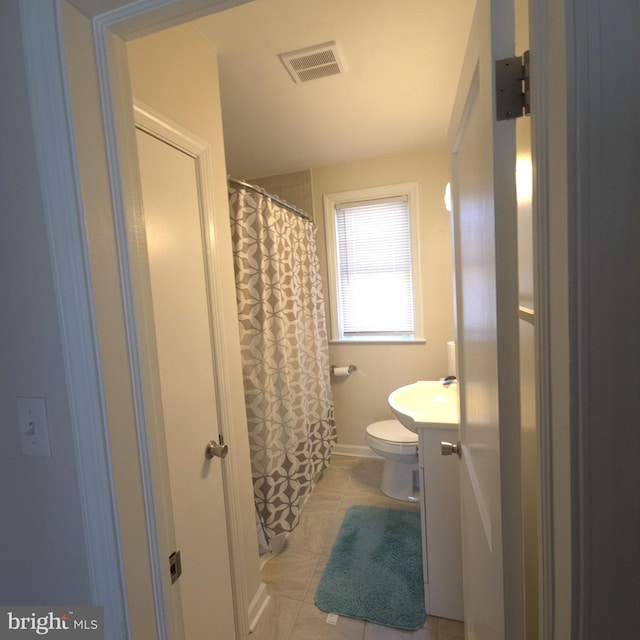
(449,380)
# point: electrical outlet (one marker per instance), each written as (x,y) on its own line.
(34,430)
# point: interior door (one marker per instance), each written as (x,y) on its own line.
(485,247)
(178,273)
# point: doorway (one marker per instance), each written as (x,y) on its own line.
(100,25)
(169,62)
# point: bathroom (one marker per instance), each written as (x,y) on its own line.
(162,60)
(361,398)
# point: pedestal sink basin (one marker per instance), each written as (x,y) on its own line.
(424,404)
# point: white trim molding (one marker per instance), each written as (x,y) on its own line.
(55,147)
(118,119)
(604,305)
(549,147)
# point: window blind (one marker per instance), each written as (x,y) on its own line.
(374,264)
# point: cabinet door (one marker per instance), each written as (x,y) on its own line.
(441,517)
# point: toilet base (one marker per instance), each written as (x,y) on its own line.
(400,481)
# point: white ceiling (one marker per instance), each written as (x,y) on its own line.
(402,62)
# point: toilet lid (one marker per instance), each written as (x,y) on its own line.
(391,431)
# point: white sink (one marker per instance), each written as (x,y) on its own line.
(425,404)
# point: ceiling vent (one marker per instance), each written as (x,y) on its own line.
(312,63)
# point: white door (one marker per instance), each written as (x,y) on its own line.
(178,273)
(485,246)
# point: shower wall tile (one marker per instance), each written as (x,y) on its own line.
(295,188)
(294,179)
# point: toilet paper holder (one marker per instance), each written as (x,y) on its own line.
(350,369)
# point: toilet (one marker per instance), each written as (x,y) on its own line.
(399,448)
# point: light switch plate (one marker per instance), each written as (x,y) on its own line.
(34,429)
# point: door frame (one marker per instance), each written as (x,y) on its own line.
(43,38)
(550,31)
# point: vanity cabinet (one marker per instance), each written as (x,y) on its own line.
(441,533)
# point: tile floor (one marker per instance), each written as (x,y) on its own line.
(292,576)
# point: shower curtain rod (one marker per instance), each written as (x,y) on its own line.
(280,201)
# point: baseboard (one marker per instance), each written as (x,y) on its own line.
(358,451)
(258,605)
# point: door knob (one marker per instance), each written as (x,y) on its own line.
(448,448)
(214,449)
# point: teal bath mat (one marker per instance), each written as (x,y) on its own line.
(375,569)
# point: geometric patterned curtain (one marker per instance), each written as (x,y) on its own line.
(285,354)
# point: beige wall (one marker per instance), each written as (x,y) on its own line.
(362,398)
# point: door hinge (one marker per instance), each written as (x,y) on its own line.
(512,87)
(175,566)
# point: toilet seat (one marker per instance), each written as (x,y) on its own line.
(392,432)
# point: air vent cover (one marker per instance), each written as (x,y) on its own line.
(313,62)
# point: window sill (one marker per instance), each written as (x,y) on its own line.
(387,341)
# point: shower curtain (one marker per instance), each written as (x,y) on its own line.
(285,356)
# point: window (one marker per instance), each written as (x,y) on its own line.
(372,248)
